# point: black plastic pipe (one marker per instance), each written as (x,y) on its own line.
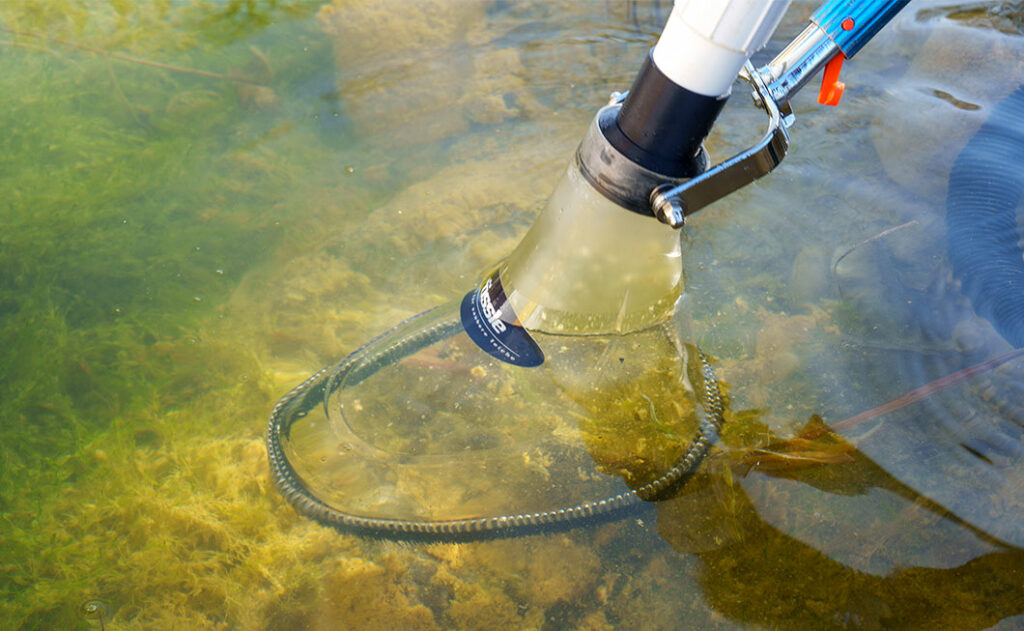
(985,189)
(661,124)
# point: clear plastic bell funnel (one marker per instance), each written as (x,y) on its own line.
(422,431)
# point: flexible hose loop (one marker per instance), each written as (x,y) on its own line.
(297,403)
(985,189)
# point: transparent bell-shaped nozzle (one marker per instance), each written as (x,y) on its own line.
(463,420)
(589,267)
(423,431)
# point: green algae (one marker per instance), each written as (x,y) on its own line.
(134,202)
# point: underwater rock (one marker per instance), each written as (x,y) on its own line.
(477,606)
(573,53)
(361,594)
(499,89)
(429,70)
(561,571)
(448,230)
(404,77)
(659,594)
(519,583)
(541,571)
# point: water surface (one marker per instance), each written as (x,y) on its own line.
(204,202)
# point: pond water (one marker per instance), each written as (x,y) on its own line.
(206,201)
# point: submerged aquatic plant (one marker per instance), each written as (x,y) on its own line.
(132,210)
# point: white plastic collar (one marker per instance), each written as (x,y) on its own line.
(706,42)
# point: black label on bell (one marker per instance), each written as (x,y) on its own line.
(489,321)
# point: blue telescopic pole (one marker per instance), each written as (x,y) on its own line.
(852,23)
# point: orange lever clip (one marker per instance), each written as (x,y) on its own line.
(831,87)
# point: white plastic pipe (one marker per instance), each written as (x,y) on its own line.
(706,42)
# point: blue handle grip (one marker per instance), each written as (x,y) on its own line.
(851,23)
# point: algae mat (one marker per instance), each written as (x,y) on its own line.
(203,202)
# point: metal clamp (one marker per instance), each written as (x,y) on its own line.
(672,203)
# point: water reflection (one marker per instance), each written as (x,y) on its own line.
(759,565)
(808,531)
(958,443)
